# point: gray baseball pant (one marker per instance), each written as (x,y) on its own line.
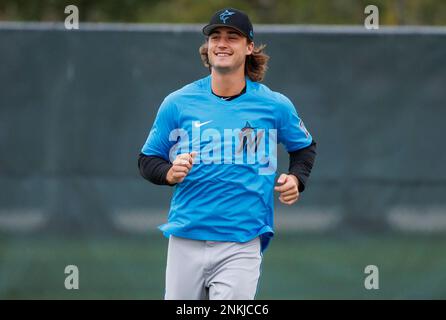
(214,270)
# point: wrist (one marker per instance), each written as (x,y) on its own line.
(296,180)
(169,176)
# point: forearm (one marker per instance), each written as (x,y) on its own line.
(301,163)
(154,169)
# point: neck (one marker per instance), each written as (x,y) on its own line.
(229,84)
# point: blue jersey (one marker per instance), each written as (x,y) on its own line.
(229,192)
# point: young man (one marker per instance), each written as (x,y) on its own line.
(215,140)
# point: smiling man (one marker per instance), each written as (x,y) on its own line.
(215,141)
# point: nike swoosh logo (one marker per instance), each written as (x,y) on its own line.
(197,124)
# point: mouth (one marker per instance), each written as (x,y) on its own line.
(223,54)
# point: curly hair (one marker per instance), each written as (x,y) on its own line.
(256,63)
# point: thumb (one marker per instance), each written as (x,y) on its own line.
(282,178)
(193,154)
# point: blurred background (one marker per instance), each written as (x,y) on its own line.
(76,107)
(392,12)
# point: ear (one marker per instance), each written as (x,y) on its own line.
(250,48)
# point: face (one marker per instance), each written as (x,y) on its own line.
(227,49)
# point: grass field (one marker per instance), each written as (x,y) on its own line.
(294,267)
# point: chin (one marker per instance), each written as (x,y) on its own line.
(223,68)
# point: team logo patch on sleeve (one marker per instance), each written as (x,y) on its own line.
(303,128)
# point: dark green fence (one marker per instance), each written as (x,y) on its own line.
(76,107)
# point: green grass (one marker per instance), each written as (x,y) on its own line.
(294,267)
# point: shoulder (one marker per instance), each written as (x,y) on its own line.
(278,99)
(191,89)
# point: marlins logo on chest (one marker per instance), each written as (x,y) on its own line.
(248,137)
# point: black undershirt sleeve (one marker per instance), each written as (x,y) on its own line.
(154,169)
(301,163)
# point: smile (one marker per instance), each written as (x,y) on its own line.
(222,54)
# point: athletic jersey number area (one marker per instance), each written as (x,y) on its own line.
(228,194)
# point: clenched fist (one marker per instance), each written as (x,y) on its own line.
(180,167)
(289,189)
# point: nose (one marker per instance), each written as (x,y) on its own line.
(222,43)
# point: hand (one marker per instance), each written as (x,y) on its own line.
(180,167)
(289,188)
